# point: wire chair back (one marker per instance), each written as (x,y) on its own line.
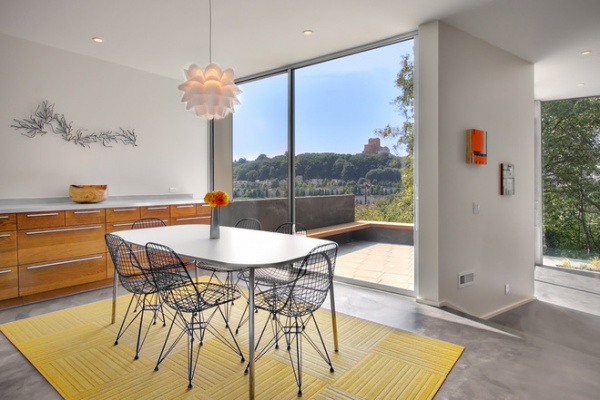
(148,223)
(292,228)
(249,223)
(132,274)
(170,274)
(310,286)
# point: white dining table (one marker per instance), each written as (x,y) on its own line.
(236,249)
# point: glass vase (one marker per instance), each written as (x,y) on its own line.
(214,223)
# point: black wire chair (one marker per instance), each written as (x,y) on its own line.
(148,223)
(292,228)
(293,304)
(249,223)
(194,304)
(270,276)
(133,276)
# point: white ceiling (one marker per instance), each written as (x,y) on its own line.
(252,36)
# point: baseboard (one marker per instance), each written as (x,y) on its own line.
(508,308)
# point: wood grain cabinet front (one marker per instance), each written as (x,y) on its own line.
(9,273)
(189,214)
(162,212)
(47,219)
(9,282)
(118,219)
(58,274)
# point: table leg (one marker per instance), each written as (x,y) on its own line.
(114,299)
(251,333)
(333,318)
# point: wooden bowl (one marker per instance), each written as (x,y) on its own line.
(88,193)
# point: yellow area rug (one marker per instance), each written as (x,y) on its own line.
(73,349)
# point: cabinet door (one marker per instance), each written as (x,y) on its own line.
(43,277)
(9,282)
(41,245)
(8,249)
(122,214)
(85,217)
(183,210)
(40,219)
(8,222)
(161,212)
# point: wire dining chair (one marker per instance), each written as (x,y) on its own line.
(194,303)
(293,304)
(133,276)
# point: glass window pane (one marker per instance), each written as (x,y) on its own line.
(260,139)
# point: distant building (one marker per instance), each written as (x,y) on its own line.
(374,147)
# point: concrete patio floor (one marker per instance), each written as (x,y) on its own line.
(379,263)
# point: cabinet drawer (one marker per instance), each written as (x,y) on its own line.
(42,277)
(161,212)
(183,210)
(118,226)
(198,219)
(122,214)
(9,283)
(8,222)
(85,217)
(8,249)
(53,244)
(40,219)
(203,209)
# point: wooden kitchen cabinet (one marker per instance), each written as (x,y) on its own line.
(9,274)
(54,255)
(47,254)
(118,219)
(189,214)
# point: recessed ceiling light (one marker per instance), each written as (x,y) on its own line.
(581,84)
(307,32)
(586,52)
(97,39)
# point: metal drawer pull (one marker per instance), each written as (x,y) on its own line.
(54,264)
(123,209)
(3,216)
(83,228)
(42,215)
(5,271)
(189,218)
(123,224)
(186,206)
(157,208)
(5,235)
(87,212)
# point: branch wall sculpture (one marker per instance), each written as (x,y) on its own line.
(44,119)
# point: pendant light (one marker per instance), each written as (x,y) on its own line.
(211,92)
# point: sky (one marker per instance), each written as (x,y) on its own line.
(339,105)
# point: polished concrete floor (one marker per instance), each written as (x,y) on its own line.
(547,349)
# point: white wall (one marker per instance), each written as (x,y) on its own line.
(171,142)
(466,83)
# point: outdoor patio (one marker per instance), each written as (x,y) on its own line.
(380,263)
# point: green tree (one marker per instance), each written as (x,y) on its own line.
(571,176)
(402,206)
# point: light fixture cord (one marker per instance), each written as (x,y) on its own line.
(210,31)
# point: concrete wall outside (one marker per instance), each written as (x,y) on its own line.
(314,212)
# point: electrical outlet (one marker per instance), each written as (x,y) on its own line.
(506,288)
(476,208)
(172,189)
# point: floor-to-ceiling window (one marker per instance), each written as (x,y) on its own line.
(571,183)
(346,135)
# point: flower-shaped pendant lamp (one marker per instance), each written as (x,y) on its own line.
(210,93)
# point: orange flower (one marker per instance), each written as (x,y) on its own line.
(216,198)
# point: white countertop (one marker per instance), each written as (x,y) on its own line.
(64,203)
